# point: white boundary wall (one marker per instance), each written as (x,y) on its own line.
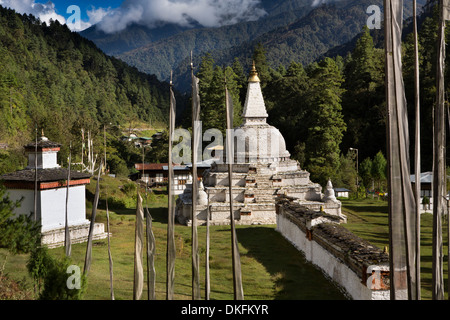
(333,267)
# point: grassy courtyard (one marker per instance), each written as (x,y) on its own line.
(271,267)
(368,218)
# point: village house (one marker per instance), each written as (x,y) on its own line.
(157,174)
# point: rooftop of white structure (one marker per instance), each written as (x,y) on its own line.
(42,143)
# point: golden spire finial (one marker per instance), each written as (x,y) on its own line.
(42,138)
(253,74)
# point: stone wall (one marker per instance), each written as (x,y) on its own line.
(78,234)
(360,269)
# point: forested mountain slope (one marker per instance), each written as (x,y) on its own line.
(161,56)
(138,35)
(54,79)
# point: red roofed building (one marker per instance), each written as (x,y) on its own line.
(155,174)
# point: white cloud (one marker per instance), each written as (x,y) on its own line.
(319,2)
(96,15)
(44,11)
(209,13)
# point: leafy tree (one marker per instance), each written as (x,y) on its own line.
(241,78)
(206,72)
(365,172)
(234,86)
(212,94)
(17,234)
(213,103)
(159,150)
(345,175)
(379,169)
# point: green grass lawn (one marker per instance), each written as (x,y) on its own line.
(271,267)
(368,219)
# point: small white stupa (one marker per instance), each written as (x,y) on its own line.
(50,181)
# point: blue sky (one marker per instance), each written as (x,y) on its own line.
(111,16)
(85,5)
(90,10)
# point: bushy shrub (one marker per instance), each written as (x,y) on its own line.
(129,189)
(121,203)
(59,279)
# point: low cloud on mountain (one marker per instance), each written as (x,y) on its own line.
(320,2)
(208,13)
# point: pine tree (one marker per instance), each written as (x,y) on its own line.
(18,234)
(379,169)
(212,93)
(326,125)
(260,60)
(234,86)
(365,172)
(363,101)
(287,105)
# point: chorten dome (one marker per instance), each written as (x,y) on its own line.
(256,140)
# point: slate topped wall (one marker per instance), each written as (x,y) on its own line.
(322,238)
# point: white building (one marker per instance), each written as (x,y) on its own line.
(426,190)
(51,182)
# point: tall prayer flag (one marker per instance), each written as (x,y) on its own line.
(88,258)
(401,199)
(417,147)
(138,282)
(35,177)
(236,260)
(170,256)
(195,145)
(67,242)
(151,253)
(207,277)
(109,250)
(439,173)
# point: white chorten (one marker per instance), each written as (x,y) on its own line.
(262,170)
(50,182)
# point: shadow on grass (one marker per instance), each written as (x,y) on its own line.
(369,209)
(295,277)
(159,214)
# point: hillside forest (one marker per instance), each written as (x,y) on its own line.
(55,80)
